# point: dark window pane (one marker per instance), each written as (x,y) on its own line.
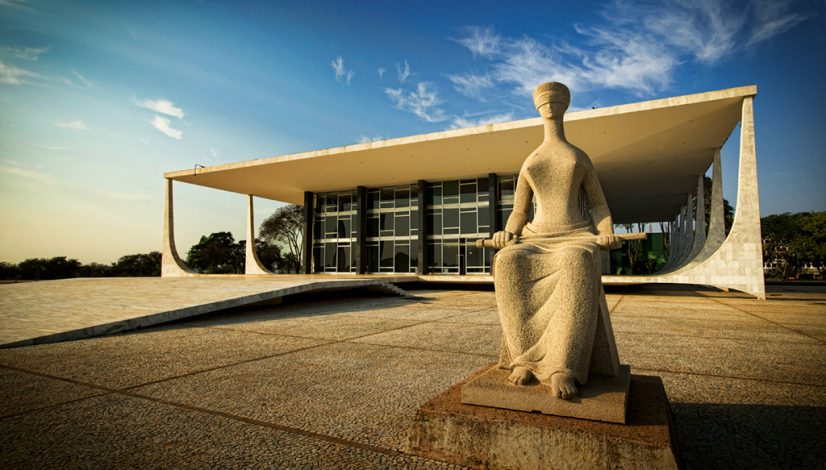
(344,202)
(474,256)
(449,231)
(435,223)
(451,218)
(504,213)
(355,225)
(330,225)
(386,221)
(387,254)
(414,220)
(318,257)
(372,200)
(319,204)
(434,195)
(468,193)
(373,259)
(343,259)
(330,255)
(414,255)
(451,253)
(468,222)
(414,194)
(343,227)
(387,197)
(402,226)
(483,185)
(317,223)
(506,188)
(372,226)
(434,253)
(403,197)
(402,259)
(484,216)
(451,188)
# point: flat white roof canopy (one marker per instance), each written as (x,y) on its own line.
(647,155)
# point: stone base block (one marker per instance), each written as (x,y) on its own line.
(602,399)
(448,430)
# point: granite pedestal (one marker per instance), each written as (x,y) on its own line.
(602,399)
(448,430)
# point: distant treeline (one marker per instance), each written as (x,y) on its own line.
(61,267)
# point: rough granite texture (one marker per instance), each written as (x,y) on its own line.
(246,388)
(555,323)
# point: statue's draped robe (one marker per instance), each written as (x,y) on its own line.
(551,304)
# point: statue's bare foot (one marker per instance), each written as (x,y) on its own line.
(563,386)
(521,376)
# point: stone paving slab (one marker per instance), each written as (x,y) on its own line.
(204,393)
(131,359)
(24,391)
(461,338)
(123,431)
(723,328)
(359,392)
(50,311)
(792,362)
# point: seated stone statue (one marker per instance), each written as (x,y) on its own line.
(547,272)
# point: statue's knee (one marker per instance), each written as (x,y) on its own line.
(581,259)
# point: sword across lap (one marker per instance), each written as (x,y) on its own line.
(488,243)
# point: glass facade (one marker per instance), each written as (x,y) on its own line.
(335,227)
(457,214)
(393,229)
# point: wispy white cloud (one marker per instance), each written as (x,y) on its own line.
(30,174)
(423,102)
(626,60)
(470,121)
(11,75)
(403,71)
(22,53)
(773,18)
(381,71)
(17,4)
(161,105)
(472,85)
(162,124)
(637,46)
(214,152)
(363,139)
(82,79)
(76,125)
(481,42)
(527,63)
(342,73)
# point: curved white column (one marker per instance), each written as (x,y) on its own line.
(252,264)
(171,264)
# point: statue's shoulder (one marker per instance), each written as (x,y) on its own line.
(582,157)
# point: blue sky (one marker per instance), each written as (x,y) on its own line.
(99,99)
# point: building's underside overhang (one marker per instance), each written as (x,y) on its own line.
(648,155)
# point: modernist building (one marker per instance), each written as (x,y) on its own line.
(414,205)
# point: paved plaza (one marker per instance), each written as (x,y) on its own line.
(333,381)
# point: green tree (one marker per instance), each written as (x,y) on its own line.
(217,253)
(58,267)
(143,264)
(793,240)
(9,271)
(285,227)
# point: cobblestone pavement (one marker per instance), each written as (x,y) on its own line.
(333,382)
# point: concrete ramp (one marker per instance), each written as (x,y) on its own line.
(68,309)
